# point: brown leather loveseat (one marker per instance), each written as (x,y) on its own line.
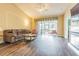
(13,35)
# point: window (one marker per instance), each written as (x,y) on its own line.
(47,26)
(74,31)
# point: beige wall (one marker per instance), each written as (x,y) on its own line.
(13,18)
(60,26)
(33,22)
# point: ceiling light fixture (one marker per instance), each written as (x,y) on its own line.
(42,7)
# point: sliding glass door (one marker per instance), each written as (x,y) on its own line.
(47,27)
(74,31)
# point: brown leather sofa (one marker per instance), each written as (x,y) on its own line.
(13,35)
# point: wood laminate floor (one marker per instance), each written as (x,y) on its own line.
(43,45)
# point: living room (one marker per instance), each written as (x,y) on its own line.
(20,29)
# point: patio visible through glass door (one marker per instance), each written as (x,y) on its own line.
(47,27)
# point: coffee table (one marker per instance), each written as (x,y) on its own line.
(29,36)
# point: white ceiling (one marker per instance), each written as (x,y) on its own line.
(53,9)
